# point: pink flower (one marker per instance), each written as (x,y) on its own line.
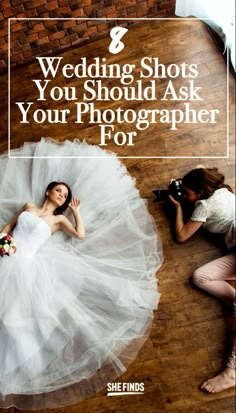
(7,245)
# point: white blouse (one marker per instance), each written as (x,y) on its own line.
(218,214)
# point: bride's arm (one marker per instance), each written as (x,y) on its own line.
(65,225)
(12,223)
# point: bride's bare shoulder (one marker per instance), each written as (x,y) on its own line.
(60,218)
(29,206)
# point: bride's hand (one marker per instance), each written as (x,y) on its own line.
(74,204)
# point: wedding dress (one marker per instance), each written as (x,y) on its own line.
(73,313)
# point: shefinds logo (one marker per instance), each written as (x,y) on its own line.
(119,389)
(116,35)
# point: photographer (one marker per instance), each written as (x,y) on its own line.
(214,210)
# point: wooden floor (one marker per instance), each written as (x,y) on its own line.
(189,334)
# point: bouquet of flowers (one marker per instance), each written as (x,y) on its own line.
(7,244)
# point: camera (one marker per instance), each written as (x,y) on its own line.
(175,189)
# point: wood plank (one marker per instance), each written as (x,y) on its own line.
(187,341)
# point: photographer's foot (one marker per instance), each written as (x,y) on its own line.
(221,382)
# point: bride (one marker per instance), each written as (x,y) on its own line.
(57,198)
(74,310)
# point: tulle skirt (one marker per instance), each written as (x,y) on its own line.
(74,315)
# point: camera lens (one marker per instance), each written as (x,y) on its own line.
(160,195)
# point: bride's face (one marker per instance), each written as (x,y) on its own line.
(58,194)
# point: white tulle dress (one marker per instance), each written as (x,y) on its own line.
(73,313)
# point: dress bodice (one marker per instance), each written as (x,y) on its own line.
(30,233)
(75,314)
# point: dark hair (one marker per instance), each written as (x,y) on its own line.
(205,181)
(61,209)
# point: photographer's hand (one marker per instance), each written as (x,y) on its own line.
(174,202)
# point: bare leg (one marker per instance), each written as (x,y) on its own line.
(212,278)
(225,379)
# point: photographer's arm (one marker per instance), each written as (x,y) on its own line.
(183,231)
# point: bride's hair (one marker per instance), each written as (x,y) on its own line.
(61,209)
